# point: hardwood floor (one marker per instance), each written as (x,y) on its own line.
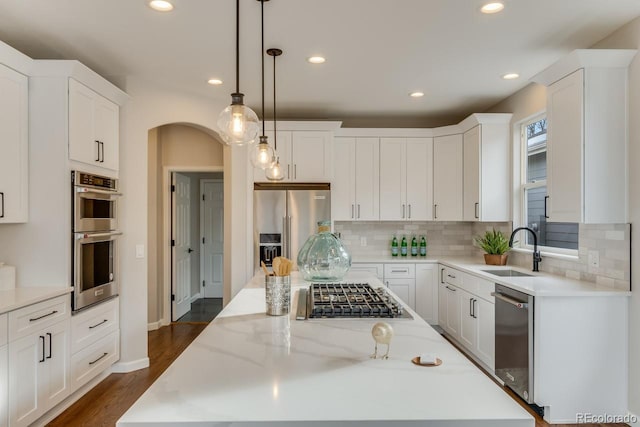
(106,402)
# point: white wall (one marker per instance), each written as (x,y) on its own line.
(151,106)
(628,37)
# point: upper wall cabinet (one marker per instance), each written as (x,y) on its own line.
(305,151)
(356,178)
(14,146)
(587,136)
(447,178)
(406,179)
(486,171)
(93,127)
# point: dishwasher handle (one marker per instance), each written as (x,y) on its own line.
(513,302)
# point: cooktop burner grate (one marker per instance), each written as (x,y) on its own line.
(351,300)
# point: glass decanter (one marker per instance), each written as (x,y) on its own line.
(323,257)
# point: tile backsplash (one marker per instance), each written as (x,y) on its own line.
(611,243)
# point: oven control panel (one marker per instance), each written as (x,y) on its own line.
(95,181)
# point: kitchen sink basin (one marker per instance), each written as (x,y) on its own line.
(507,273)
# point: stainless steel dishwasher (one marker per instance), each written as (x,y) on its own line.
(514,340)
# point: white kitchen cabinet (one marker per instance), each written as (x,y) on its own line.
(452,310)
(305,156)
(486,171)
(14,146)
(355,188)
(586,142)
(93,127)
(447,178)
(468,326)
(39,373)
(376,269)
(406,180)
(486,332)
(39,353)
(4,373)
(401,279)
(427,292)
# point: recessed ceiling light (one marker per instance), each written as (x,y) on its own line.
(416,94)
(214,82)
(316,59)
(493,7)
(160,5)
(511,76)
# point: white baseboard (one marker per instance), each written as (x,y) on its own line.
(154,325)
(195,297)
(134,365)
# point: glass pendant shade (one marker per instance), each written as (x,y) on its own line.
(262,155)
(275,172)
(238,124)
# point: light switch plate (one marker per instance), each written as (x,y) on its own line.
(139,251)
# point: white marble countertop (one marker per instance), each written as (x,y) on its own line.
(250,369)
(13,299)
(539,284)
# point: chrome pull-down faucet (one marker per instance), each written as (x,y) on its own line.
(536,253)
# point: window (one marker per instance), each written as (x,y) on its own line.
(551,235)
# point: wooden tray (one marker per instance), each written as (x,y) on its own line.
(416,361)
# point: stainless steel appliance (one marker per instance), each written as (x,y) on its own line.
(514,340)
(95,239)
(341,300)
(291,210)
(270,246)
(94,202)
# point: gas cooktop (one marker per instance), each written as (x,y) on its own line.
(347,300)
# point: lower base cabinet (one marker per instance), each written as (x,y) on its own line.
(405,289)
(39,373)
(467,315)
(4,386)
(427,292)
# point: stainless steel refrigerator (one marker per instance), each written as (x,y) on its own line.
(284,216)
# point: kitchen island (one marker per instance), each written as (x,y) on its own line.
(250,369)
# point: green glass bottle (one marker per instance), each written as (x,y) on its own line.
(394,246)
(423,246)
(403,246)
(414,246)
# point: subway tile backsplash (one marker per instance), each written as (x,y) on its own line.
(611,242)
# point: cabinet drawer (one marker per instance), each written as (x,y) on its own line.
(91,325)
(89,362)
(399,271)
(375,269)
(485,287)
(3,329)
(452,276)
(30,319)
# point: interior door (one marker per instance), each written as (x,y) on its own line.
(213,238)
(181,271)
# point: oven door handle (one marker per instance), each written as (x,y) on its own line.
(513,302)
(80,236)
(97,191)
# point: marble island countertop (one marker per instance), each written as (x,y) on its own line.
(250,369)
(538,284)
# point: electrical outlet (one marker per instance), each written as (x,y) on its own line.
(594,259)
(363,241)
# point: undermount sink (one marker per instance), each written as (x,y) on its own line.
(507,273)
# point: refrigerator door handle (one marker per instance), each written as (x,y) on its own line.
(288,237)
(285,246)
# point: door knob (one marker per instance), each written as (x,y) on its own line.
(189,250)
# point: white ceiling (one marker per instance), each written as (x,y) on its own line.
(377,51)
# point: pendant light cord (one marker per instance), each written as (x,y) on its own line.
(275,133)
(237,46)
(262,56)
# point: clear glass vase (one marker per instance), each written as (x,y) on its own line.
(323,257)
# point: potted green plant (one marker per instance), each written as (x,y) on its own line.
(495,244)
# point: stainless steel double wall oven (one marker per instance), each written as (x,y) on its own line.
(95,238)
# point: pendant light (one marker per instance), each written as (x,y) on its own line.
(275,172)
(238,123)
(262,155)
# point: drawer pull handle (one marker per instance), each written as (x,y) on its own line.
(98,324)
(101,357)
(449,275)
(43,316)
(451,289)
(399,271)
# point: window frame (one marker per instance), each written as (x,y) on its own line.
(524,185)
